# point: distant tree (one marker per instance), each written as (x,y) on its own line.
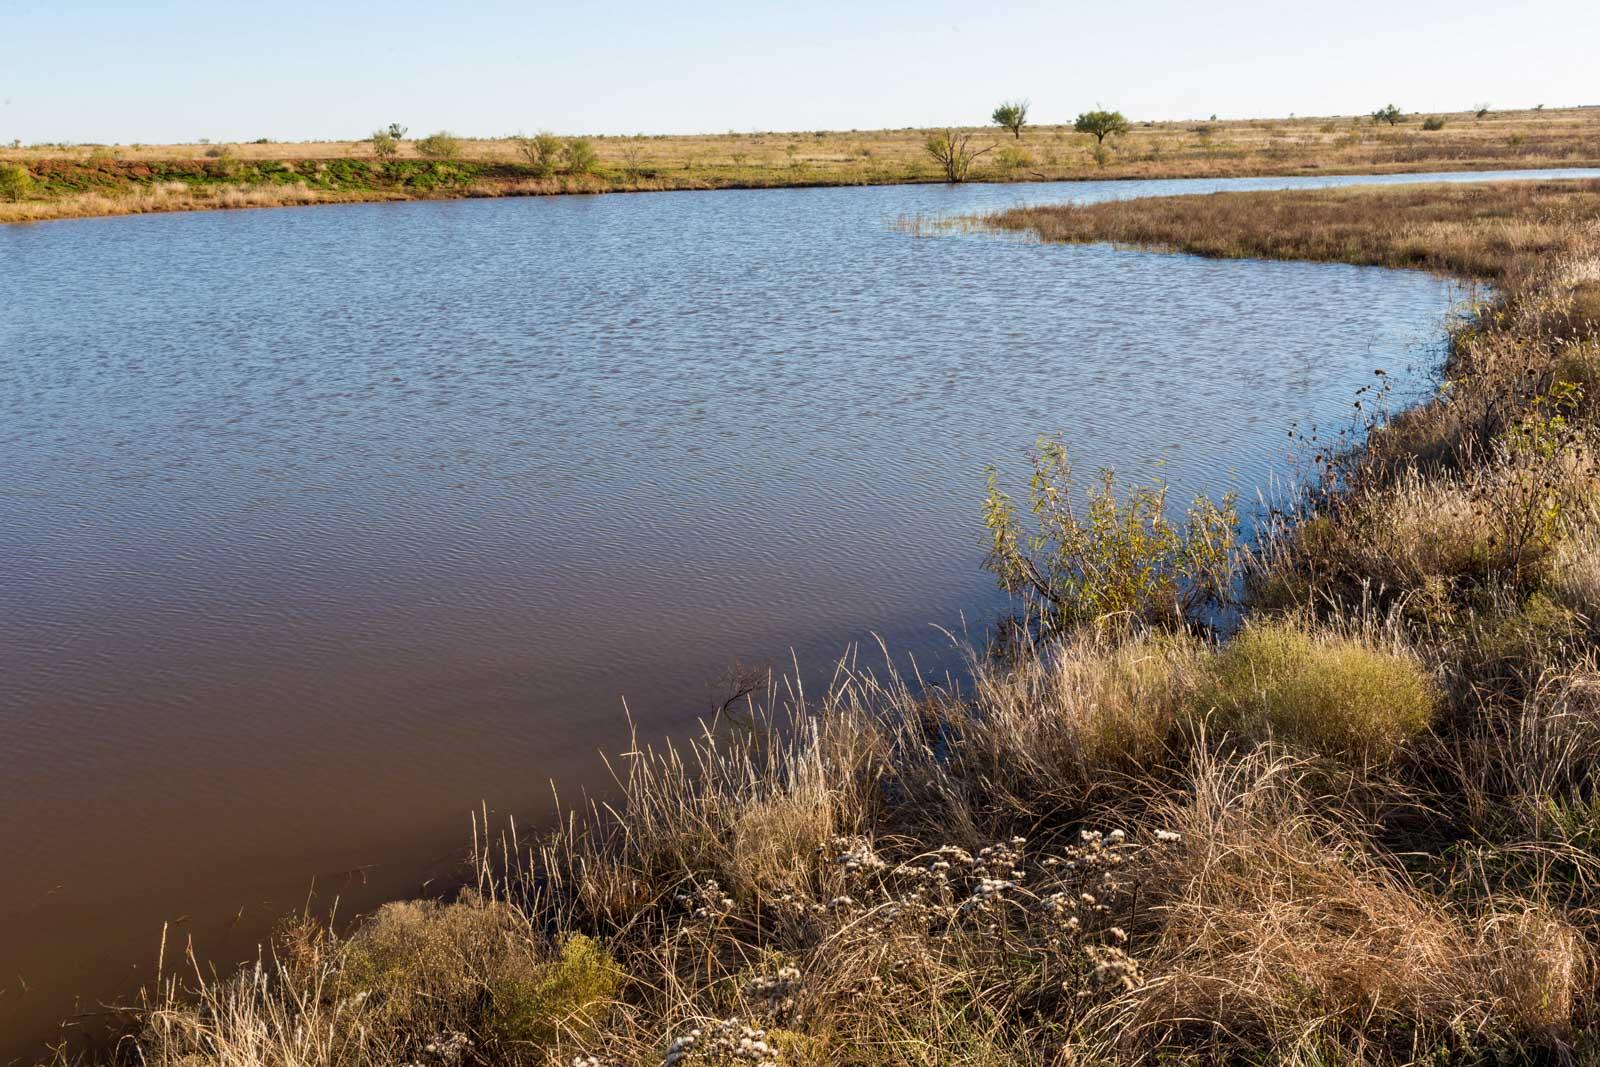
(1481,111)
(579,156)
(955,153)
(633,155)
(1390,114)
(384,144)
(1101,124)
(442,145)
(542,151)
(15,181)
(397,131)
(1011,115)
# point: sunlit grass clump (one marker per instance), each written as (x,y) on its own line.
(472,967)
(1322,692)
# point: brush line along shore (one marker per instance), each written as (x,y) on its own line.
(76,181)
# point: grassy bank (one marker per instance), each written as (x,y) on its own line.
(87,180)
(1365,829)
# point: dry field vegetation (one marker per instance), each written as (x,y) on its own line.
(1365,829)
(84,180)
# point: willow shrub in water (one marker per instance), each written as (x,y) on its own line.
(1108,558)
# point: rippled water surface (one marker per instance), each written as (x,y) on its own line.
(320,526)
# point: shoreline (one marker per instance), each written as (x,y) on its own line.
(245,198)
(99,181)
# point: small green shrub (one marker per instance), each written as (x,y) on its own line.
(542,151)
(1330,694)
(1433,122)
(1009,160)
(560,998)
(473,966)
(15,181)
(421,965)
(579,157)
(441,146)
(1113,558)
(385,144)
(1390,114)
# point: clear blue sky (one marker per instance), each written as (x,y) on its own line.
(160,70)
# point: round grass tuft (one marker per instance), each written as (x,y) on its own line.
(1328,694)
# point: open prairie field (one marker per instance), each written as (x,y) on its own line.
(64,181)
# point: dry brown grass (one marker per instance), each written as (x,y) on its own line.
(1577,574)
(1281,929)
(1480,231)
(173,196)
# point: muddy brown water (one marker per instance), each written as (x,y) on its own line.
(320,527)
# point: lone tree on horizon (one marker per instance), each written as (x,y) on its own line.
(1101,124)
(1011,115)
(1390,114)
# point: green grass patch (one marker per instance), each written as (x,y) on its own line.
(1328,694)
